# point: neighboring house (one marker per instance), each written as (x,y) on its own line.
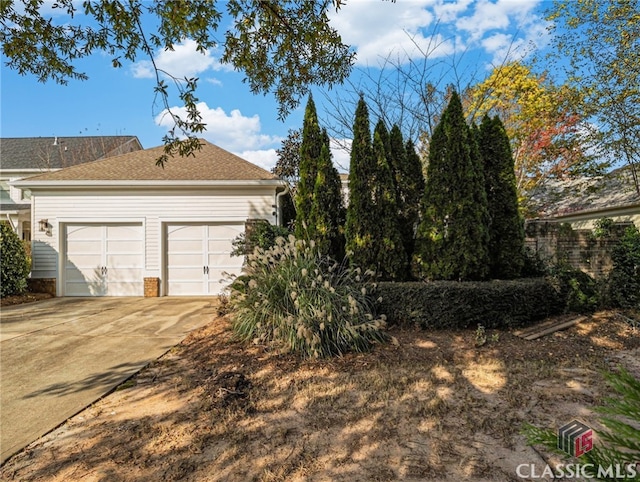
(582,202)
(344,186)
(22,157)
(122,225)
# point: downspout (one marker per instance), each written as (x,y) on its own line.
(279,205)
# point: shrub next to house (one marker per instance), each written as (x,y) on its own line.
(13,262)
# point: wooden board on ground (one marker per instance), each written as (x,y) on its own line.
(548,327)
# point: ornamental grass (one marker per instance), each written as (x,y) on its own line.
(295,299)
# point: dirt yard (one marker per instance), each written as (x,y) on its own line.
(433,407)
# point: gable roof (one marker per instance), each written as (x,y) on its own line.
(47,153)
(210,163)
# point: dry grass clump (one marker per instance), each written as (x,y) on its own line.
(292,297)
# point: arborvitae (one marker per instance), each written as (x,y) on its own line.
(312,141)
(383,132)
(453,235)
(361,221)
(409,186)
(391,258)
(506,233)
(327,217)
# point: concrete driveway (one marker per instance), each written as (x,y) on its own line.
(58,356)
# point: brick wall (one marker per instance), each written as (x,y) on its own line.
(151,287)
(556,242)
(42,285)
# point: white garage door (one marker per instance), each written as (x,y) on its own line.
(199,255)
(103,260)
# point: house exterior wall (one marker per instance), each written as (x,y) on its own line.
(151,208)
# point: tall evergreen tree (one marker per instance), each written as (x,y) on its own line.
(506,233)
(310,148)
(361,221)
(383,132)
(452,239)
(390,256)
(327,216)
(409,183)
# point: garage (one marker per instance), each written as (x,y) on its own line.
(103,260)
(199,255)
(123,226)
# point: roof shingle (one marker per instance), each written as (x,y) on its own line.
(47,153)
(210,163)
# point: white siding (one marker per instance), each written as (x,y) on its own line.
(153,233)
(152,208)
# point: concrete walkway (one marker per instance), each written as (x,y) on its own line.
(58,356)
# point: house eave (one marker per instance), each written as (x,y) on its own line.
(626,209)
(145,184)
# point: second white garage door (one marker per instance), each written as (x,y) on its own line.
(198,255)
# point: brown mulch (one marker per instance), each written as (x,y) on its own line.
(24,298)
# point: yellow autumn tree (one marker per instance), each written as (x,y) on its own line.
(545,132)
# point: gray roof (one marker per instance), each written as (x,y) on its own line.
(46,153)
(612,190)
(210,163)
(13,207)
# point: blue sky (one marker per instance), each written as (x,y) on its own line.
(121,101)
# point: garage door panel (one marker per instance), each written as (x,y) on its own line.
(225,231)
(184,231)
(220,246)
(123,274)
(186,245)
(84,247)
(187,274)
(84,232)
(186,260)
(83,261)
(221,260)
(123,288)
(123,232)
(89,274)
(124,260)
(96,287)
(123,247)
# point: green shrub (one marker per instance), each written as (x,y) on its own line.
(14,264)
(534,266)
(292,298)
(579,292)
(623,286)
(453,304)
(262,235)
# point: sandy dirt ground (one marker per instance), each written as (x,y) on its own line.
(433,407)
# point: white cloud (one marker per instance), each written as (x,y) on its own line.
(407,29)
(183,61)
(378,30)
(266,158)
(341,153)
(233,132)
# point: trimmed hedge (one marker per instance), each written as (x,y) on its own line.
(454,304)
